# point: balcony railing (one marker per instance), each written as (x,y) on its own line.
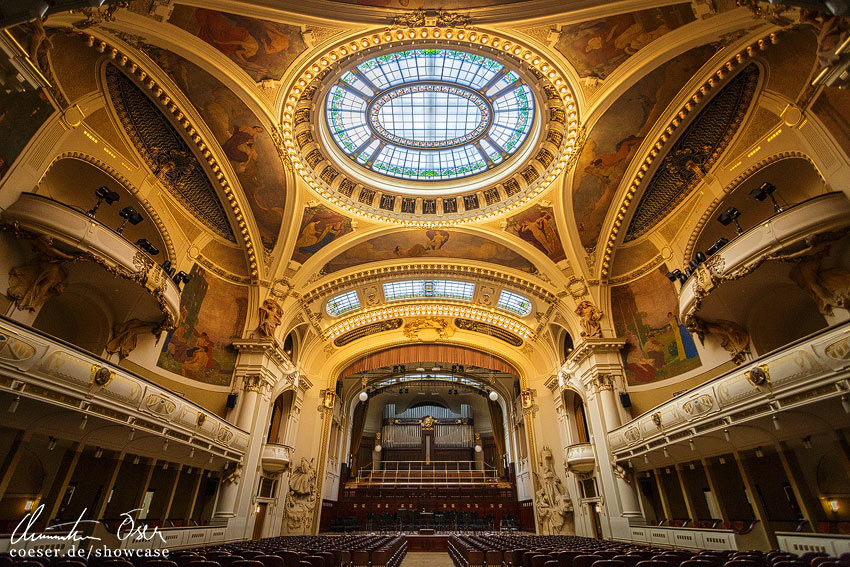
(41,215)
(276,457)
(821,214)
(427,473)
(806,371)
(580,458)
(37,366)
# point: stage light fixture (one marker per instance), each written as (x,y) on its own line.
(130,215)
(764,191)
(103,194)
(715,248)
(730,215)
(146,245)
(181,277)
(677,276)
(168,268)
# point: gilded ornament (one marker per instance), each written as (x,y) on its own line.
(758,375)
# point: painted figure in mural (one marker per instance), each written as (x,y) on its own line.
(316,235)
(685,346)
(537,226)
(240,147)
(200,356)
(436,240)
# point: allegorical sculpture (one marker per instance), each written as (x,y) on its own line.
(552,499)
(590,315)
(271,314)
(125,336)
(733,337)
(302,498)
(33,284)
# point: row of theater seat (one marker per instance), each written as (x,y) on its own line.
(573,551)
(284,551)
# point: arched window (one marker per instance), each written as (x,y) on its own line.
(567,344)
(515,303)
(443,289)
(581,419)
(343,303)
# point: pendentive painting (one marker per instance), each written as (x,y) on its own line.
(658,346)
(537,227)
(212,312)
(319,227)
(21,115)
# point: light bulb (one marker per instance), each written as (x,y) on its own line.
(478,448)
(363,396)
(493,396)
(378,448)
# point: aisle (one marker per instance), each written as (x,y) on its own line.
(425,559)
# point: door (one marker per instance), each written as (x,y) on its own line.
(594,520)
(260,512)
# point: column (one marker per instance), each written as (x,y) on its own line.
(843,449)
(141,500)
(103,500)
(173,492)
(60,485)
(715,489)
(195,490)
(10,463)
(808,504)
(611,414)
(755,501)
(662,494)
(689,503)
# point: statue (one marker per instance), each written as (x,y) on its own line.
(621,472)
(234,476)
(270,318)
(551,499)
(33,284)
(590,316)
(830,288)
(302,497)
(125,336)
(733,337)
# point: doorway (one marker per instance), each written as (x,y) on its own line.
(596,526)
(260,511)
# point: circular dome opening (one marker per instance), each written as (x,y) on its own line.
(429,114)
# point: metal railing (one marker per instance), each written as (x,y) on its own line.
(427,473)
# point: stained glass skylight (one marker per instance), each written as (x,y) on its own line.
(514,302)
(344,303)
(429,114)
(443,289)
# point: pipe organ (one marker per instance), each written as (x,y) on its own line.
(408,429)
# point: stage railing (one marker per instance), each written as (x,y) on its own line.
(427,473)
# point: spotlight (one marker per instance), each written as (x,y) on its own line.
(692,445)
(700,257)
(363,396)
(715,248)
(731,215)
(84,422)
(727,436)
(776,424)
(181,277)
(766,190)
(666,453)
(130,215)
(132,434)
(146,245)
(51,443)
(103,194)
(493,396)
(807,442)
(13,407)
(759,452)
(677,275)
(646,459)
(168,268)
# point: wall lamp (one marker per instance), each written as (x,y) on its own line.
(764,191)
(129,214)
(103,194)
(731,215)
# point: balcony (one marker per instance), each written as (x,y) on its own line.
(71,228)
(39,367)
(781,234)
(580,458)
(276,457)
(809,371)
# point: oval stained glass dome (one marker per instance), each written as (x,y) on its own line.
(429,114)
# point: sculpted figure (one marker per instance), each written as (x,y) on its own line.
(590,317)
(552,500)
(270,317)
(125,336)
(33,284)
(733,337)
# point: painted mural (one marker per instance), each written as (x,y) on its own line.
(212,312)
(658,346)
(614,139)
(31,110)
(263,49)
(245,142)
(319,227)
(598,47)
(537,227)
(833,109)
(432,243)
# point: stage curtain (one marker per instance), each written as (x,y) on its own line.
(359,422)
(414,354)
(498,427)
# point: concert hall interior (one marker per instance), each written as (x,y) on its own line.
(473,278)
